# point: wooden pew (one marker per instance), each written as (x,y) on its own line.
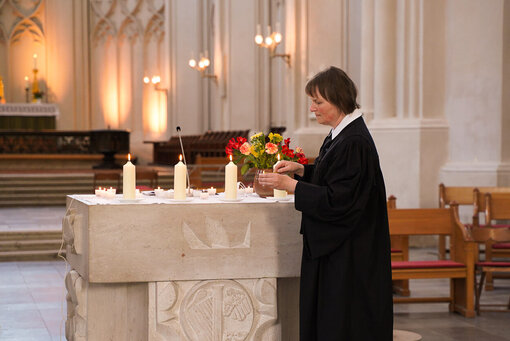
(459,269)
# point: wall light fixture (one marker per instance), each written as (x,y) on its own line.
(271,41)
(155,80)
(201,66)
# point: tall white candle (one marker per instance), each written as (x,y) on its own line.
(129,180)
(231,180)
(180,180)
(35,61)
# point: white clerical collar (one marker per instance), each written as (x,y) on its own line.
(345,122)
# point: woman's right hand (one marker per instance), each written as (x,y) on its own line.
(290,167)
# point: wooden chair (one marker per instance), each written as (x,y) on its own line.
(399,252)
(490,235)
(149,177)
(496,207)
(459,269)
(108,177)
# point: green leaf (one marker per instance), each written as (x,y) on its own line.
(245,168)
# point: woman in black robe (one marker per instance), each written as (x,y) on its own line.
(345,291)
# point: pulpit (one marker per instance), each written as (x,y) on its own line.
(109,142)
(194,270)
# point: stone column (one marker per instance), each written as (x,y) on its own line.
(366,88)
(384,58)
(477,83)
(408,127)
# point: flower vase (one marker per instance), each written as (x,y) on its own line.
(262,191)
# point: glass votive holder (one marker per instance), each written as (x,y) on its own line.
(112,190)
(99,192)
(248,190)
(211,191)
(204,195)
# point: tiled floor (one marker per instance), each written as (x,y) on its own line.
(32,295)
(32,301)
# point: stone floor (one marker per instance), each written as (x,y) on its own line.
(32,295)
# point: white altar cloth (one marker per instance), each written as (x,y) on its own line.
(29,109)
(149,200)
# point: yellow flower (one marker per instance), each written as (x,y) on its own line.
(254,151)
(255,136)
(276,138)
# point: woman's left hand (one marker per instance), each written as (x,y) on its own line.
(278,181)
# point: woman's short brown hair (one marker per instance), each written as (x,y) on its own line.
(336,87)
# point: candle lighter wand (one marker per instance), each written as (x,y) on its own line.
(178,128)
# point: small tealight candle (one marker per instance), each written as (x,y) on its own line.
(112,190)
(278,193)
(248,190)
(204,195)
(99,192)
(211,191)
(159,191)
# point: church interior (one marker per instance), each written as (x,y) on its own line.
(91,89)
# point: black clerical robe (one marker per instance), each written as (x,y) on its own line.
(346,289)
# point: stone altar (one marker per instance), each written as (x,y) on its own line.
(32,116)
(199,270)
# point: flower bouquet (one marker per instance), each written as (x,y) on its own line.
(262,152)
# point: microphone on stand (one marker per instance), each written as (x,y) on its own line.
(178,128)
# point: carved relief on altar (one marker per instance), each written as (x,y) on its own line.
(216,236)
(72,225)
(219,310)
(76,323)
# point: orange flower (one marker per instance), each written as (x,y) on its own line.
(245,148)
(271,148)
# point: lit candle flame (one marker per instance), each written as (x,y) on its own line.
(278,157)
(180,157)
(230,158)
(129,157)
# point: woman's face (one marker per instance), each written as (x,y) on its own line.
(325,112)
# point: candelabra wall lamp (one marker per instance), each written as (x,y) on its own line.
(271,42)
(155,81)
(202,65)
